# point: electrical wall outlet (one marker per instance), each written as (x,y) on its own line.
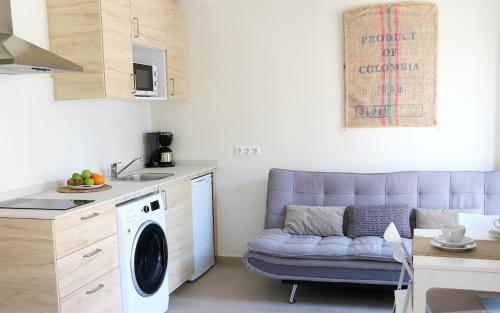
(238,151)
(247,151)
(255,151)
(242,151)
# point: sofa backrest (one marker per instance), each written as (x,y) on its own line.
(432,190)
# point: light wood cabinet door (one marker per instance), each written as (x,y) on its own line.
(180,246)
(102,295)
(75,34)
(178,195)
(179,223)
(95,34)
(177,74)
(117,46)
(27,267)
(148,26)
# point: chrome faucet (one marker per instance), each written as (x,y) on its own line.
(114,167)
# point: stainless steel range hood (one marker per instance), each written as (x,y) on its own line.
(18,56)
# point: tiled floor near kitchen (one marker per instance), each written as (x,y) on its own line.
(230,288)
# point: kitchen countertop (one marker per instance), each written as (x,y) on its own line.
(121,191)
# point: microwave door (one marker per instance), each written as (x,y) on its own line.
(144,78)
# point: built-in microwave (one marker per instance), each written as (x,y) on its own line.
(145,80)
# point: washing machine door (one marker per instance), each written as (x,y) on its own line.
(149,259)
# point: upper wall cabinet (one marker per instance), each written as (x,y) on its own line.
(106,36)
(177,76)
(96,34)
(148,22)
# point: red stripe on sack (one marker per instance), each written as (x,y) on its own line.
(396,79)
(382,73)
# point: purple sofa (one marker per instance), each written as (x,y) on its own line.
(365,260)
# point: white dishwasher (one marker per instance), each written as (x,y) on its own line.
(203,225)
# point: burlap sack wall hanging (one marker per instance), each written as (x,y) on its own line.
(390,65)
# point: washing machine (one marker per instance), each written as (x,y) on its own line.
(143,252)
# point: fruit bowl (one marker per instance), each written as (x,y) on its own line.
(85,187)
(86,180)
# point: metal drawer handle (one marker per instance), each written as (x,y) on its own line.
(96,289)
(164,196)
(91,254)
(136,27)
(173,86)
(134,84)
(84,218)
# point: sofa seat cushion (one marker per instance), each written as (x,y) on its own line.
(276,242)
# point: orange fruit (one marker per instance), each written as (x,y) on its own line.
(98,178)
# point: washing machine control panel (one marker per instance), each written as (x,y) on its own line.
(136,211)
(155,205)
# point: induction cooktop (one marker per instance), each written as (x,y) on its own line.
(43,204)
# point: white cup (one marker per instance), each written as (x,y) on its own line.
(496,223)
(453,233)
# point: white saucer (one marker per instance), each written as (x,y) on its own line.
(495,230)
(494,233)
(465,241)
(460,248)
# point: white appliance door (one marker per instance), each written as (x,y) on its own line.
(203,231)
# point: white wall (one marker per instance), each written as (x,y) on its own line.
(42,140)
(269,73)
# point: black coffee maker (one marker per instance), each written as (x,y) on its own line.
(157,149)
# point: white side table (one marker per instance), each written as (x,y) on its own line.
(455,273)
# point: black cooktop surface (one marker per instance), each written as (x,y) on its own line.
(43,204)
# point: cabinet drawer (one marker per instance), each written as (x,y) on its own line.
(82,229)
(87,264)
(102,295)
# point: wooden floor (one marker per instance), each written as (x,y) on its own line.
(231,288)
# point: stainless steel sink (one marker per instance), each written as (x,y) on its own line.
(145,177)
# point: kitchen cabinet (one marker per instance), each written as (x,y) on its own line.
(27,273)
(148,24)
(68,261)
(177,76)
(95,34)
(179,224)
(69,264)
(99,35)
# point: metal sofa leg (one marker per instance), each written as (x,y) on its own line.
(292,294)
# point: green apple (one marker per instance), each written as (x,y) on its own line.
(89,182)
(86,174)
(76,176)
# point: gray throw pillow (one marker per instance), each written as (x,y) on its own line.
(437,218)
(321,221)
(373,220)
